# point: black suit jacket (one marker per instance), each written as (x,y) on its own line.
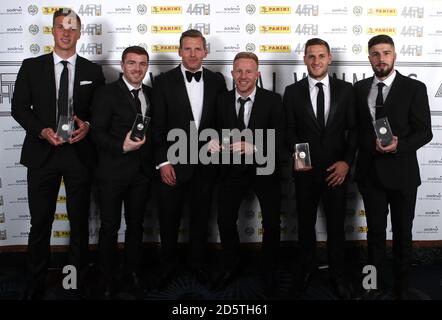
(34,106)
(171,110)
(266,113)
(338,140)
(409,116)
(113,115)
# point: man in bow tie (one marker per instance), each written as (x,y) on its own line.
(184,98)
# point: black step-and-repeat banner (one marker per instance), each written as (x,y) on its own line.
(276,31)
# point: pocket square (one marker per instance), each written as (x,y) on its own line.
(85,82)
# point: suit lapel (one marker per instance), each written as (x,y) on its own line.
(334,96)
(365,92)
(256,109)
(209,89)
(128,95)
(178,88)
(49,72)
(308,103)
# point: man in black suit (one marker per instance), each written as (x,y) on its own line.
(44,88)
(252,108)
(320,112)
(388,175)
(184,98)
(124,167)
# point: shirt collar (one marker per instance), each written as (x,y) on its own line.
(312,82)
(58,59)
(387,81)
(251,96)
(183,70)
(129,86)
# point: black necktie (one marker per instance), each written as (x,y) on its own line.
(137,100)
(379,109)
(320,105)
(63,90)
(196,75)
(241,123)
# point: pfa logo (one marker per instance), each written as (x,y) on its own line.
(34,48)
(250,47)
(33,29)
(250,9)
(250,28)
(142,28)
(141,9)
(33,10)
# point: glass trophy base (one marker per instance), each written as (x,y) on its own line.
(65,127)
(302,156)
(383,131)
(139,127)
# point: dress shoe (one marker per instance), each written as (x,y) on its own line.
(226,278)
(342,288)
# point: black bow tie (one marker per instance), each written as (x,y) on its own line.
(196,75)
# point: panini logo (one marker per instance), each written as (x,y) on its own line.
(48,49)
(382,30)
(47,29)
(50,10)
(275,10)
(275,29)
(166,10)
(61,216)
(384,12)
(167,29)
(363,229)
(61,199)
(275,48)
(61,233)
(158,48)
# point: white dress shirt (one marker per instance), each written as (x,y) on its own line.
(247,106)
(195,92)
(371,100)
(58,68)
(314,94)
(140,95)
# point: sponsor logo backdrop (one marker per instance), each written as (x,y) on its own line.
(276,31)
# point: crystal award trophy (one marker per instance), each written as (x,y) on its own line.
(302,156)
(66,125)
(383,131)
(139,127)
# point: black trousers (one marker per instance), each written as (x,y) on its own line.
(230,195)
(311,188)
(112,195)
(197,192)
(377,200)
(43,188)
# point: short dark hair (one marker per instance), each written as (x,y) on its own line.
(64,12)
(192,33)
(380,38)
(315,42)
(246,55)
(134,49)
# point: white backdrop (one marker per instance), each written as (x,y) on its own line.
(276,31)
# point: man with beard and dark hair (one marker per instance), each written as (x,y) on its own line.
(388,175)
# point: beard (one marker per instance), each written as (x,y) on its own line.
(383,72)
